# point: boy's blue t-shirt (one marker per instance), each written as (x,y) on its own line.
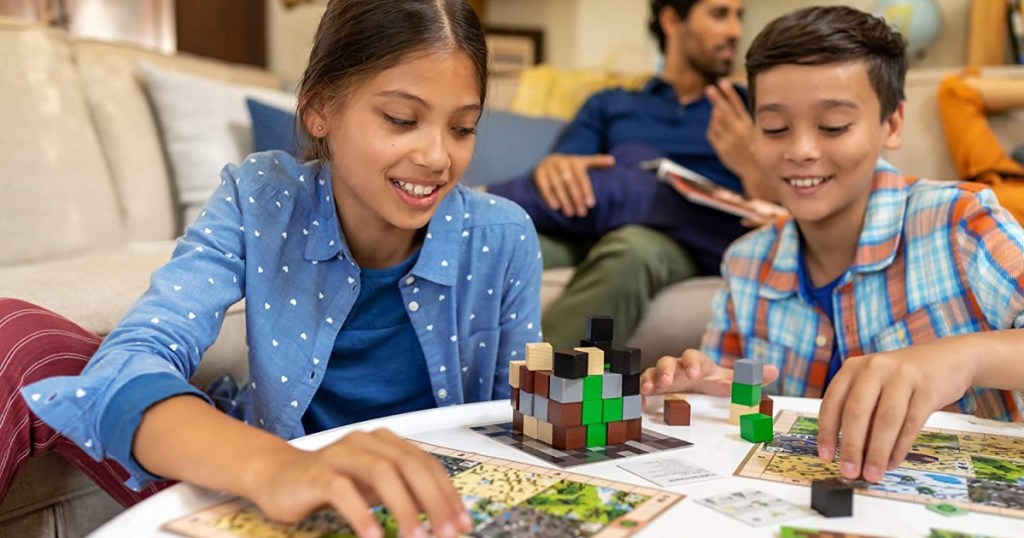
(377,367)
(822,298)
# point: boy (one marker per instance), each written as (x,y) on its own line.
(906,285)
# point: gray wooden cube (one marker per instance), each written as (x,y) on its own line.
(526,403)
(631,407)
(747,371)
(564,390)
(611,385)
(540,407)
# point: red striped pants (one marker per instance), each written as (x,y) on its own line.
(35,344)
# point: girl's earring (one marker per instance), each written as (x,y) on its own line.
(319,127)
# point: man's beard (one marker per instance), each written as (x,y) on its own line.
(710,69)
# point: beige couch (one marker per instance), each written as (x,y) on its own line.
(88,211)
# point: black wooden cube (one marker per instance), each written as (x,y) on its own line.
(832,497)
(600,328)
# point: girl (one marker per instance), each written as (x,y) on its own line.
(374,284)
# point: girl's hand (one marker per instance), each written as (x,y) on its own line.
(351,475)
(881,402)
(693,372)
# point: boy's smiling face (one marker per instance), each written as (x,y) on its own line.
(818,136)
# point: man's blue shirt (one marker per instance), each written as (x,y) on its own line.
(653,117)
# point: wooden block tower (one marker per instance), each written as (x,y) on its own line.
(745,408)
(585,397)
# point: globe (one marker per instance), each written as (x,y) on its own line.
(918,20)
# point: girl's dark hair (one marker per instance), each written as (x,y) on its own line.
(358,39)
(682,8)
(825,35)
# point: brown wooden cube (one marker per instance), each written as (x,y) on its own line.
(617,432)
(525,379)
(565,414)
(569,437)
(677,412)
(767,405)
(515,399)
(542,383)
(634,429)
(517,421)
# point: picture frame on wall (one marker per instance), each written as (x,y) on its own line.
(514,49)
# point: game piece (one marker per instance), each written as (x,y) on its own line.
(517,421)
(767,406)
(947,509)
(526,403)
(677,411)
(565,390)
(632,407)
(544,431)
(570,364)
(513,373)
(634,429)
(832,497)
(525,378)
(625,361)
(540,407)
(595,360)
(748,372)
(514,398)
(565,414)
(981,472)
(600,328)
(756,428)
(530,426)
(737,410)
(592,412)
(617,432)
(611,410)
(539,356)
(593,387)
(611,385)
(569,437)
(504,498)
(542,383)
(603,345)
(597,434)
(748,395)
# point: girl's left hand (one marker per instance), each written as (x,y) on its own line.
(882,401)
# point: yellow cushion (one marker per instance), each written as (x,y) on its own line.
(546,91)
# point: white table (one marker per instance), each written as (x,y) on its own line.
(718,447)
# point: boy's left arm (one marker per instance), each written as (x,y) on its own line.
(882,401)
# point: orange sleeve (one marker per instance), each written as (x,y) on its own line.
(975,150)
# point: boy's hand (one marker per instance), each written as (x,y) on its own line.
(351,475)
(881,402)
(564,184)
(693,372)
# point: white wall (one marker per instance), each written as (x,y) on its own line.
(599,33)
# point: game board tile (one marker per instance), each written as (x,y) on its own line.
(613,532)
(601,483)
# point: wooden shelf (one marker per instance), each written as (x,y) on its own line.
(987,42)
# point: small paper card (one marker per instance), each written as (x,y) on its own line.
(669,472)
(756,508)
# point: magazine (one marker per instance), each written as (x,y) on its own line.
(700,190)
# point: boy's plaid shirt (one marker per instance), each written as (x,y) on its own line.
(934,259)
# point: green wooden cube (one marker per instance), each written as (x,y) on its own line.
(746,394)
(756,428)
(592,387)
(597,434)
(612,410)
(592,411)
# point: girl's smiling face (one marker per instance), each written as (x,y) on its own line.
(400,141)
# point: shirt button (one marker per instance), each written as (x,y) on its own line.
(442,394)
(409,281)
(820,341)
(414,306)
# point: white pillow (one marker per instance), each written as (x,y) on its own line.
(205,124)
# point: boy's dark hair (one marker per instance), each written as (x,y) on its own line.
(358,39)
(825,35)
(682,8)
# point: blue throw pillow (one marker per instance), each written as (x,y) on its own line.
(275,128)
(509,145)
